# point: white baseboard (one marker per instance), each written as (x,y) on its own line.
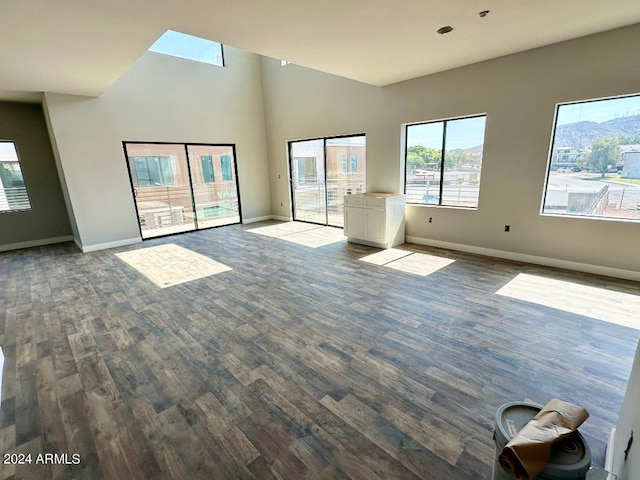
(608,457)
(257,219)
(266,217)
(35,243)
(522,257)
(104,246)
(281,218)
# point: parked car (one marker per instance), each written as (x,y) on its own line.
(576,169)
(638,206)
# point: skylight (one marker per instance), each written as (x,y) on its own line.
(186,46)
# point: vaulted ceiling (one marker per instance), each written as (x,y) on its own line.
(83,46)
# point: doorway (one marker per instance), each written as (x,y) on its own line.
(180,187)
(322,172)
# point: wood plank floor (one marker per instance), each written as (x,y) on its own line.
(287,361)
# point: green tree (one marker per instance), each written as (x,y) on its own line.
(454,159)
(419,156)
(629,139)
(605,153)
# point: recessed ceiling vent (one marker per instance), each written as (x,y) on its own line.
(445,29)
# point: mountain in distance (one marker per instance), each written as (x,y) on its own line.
(583,134)
(475,149)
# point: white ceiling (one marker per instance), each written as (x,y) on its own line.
(83,46)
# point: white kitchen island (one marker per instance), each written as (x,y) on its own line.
(374,219)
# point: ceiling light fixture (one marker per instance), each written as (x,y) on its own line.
(445,29)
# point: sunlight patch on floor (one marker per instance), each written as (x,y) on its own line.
(409,262)
(599,303)
(385,256)
(313,236)
(170,264)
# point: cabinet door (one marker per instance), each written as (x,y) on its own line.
(374,225)
(354,222)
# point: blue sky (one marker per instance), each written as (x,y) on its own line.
(599,111)
(8,152)
(187,46)
(462,133)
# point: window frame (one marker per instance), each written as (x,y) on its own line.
(4,188)
(292,183)
(444,122)
(549,165)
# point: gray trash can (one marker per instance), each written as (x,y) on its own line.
(570,458)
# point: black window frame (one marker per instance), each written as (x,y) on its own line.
(549,212)
(442,159)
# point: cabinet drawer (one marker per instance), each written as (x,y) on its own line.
(374,202)
(353,201)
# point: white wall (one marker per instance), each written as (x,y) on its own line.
(161,98)
(518,93)
(303,103)
(629,421)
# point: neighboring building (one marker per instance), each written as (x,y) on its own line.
(345,167)
(631,163)
(565,157)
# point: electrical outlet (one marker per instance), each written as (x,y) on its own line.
(507,228)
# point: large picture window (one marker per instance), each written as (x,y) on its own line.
(594,164)
(13,193)
(443,161)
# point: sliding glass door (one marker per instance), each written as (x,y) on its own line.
(215,190)
(322,172)
(182,187)
(308,181)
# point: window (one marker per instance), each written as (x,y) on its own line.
(186,46)
(353,164)
(443,161)
(207,168)
(307,170)
(13,193)
(594,162)
(154,170)
(225,164)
